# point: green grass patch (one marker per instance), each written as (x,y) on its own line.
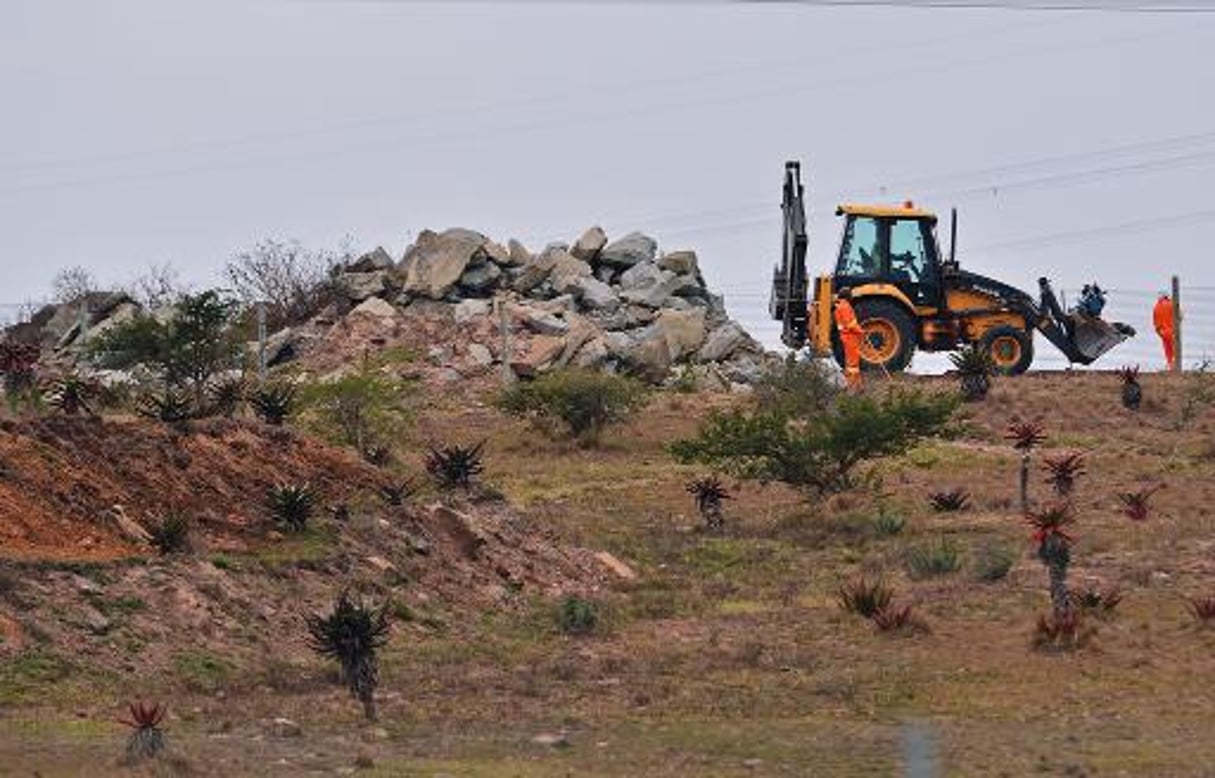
(27,676)
(202,671)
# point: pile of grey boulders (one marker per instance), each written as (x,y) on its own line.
(475,306)
(617,305)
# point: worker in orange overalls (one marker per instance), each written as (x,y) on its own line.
(850,337)
(1162,320)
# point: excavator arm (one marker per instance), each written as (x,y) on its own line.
(788,303)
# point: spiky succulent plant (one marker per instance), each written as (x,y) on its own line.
(953,500)
(71,393)
(1063,470)
(1132,392)
(864,596)
(171,406)
(709,492)
(395,493)
(147,740)
(975,368)
(1054,543)
(291,505)
(225,396)
(1025,435)
(454,467)
(273,403)
(1135,505)
(352,633)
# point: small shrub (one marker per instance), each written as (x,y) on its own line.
(1063,470)
(1135,504)
(1202,609)
(1097,602)
(821,452)
(18,364)
(147,740)
(709,493)
(581,401)
(171,406)
(932,559)
(273,403)
(797,388)
(1064,630)
(993,562)
(896,618)
(352,633)
(864,597)
(887,525)
(947,502)
(454,467)
(359,409)
(170,533)
(291,505)
(577,616)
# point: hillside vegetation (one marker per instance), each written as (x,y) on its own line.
(572,614)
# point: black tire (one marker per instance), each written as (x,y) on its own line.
(1009,361)
(900,320)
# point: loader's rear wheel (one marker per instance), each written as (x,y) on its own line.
(890,336)
(1011,349)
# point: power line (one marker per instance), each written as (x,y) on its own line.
(613,115)
(599,90)
(1011,5)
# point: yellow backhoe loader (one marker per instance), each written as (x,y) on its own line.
(907,297)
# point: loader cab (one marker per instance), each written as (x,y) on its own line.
(891,245)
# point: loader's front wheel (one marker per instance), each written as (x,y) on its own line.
(1012,349)
(890,336)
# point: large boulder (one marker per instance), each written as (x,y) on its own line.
(371,262)
(630,250)
(651,351)
(481,277)
(595,295)
(517,254)
(680,263)
(647,284)
(682,331)
(534,273)
(724,341)
(357,287)
(433,265)
(589,244)
(567,273)
(543,351)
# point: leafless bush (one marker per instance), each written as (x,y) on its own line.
(293,280)
(72,283)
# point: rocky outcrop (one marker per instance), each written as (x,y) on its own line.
(613,305)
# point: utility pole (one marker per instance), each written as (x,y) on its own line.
(1176,325)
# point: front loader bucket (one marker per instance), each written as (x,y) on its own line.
(1093,336)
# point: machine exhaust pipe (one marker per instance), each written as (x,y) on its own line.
(953,236)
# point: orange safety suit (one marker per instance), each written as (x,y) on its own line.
(850,338)
(1162,320)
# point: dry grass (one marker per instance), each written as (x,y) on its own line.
(730,655)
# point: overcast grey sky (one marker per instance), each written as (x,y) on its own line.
(141,131)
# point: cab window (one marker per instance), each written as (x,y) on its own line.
(860,251)
(908,252)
